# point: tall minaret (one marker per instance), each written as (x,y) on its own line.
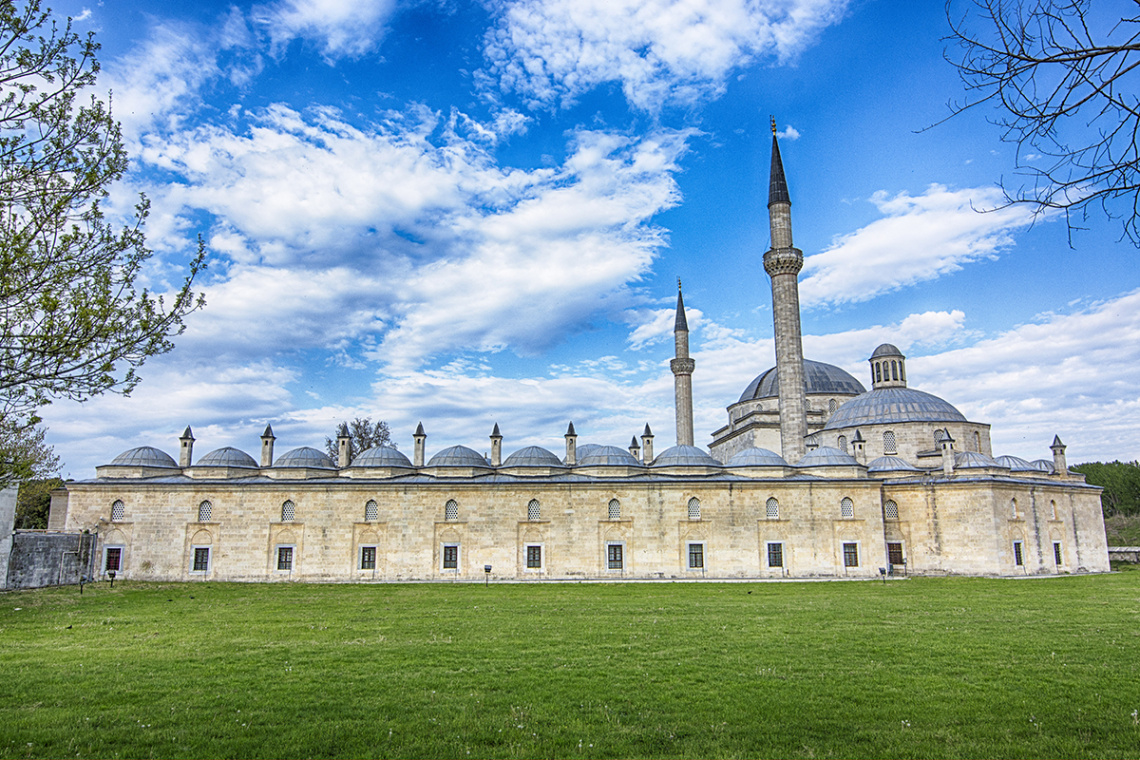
(783,262)
(682,367)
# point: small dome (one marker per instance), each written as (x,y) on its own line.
(144,456)
(678,456)
(228,456)
(886,350)
(972,460)
(458,456)
(584,450)
(381,456)
(1043,465)
(305,456)
(533,456)
(756,457)
(826,456)
(1015,464)
(887,405)
(818,378)
(608,455)
(891,464)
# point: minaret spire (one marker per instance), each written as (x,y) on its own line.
(783,263)
(682,367)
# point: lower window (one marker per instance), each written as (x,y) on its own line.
(1018,558)
(895,553)
(1057,553)
(201,559)
(775,555)
(284,557)
(368,558)
(113,559)
(696,556)
(451,557)
(614,559)
(534,558)
(851,555)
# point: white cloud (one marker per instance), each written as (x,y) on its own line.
(788,133)
(342,28)
(553,51)
(919,238)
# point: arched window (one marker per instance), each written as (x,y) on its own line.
(1053,509)
(902,372)
(847,507)
(118,510)
(939,435)
(843,443)
(977,442)
(694,508)
(451,510)
(891,511)
(832,405)
(288,511)
(878,372)
(772,508)
(371,511)
(205,510)
(889,443)
(615,509)
(894,370)
(534,510)
(1013,509)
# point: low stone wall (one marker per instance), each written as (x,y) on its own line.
(48,558)
(1124,554)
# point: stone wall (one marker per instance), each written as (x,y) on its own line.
(43,558)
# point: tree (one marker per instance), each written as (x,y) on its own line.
(33,504)
(74,321)
(364,435)
(1064,81)
(23,453)
(1121,484)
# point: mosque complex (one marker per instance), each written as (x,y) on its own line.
(812,476)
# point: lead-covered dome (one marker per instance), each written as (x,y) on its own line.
(305,456)
(818,378)
(228,456)
(826,456)
(458,456)
(973,460)
(608,456)
(891,463)
(144,456)
(684,456)
(887,405)
(381,456)
(756,457)
(533,456)
(1015,464)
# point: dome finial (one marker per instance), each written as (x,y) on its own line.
(773,118)
(678,284)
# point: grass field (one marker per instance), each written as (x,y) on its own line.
(912,668)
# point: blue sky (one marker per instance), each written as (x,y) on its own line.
(468,213)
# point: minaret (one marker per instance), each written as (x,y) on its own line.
(682,367)
(783,262)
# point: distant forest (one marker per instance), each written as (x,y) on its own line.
(1121,484)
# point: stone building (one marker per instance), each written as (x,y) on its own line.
(864,482)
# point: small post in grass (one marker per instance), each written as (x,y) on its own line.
(111,575)
(82,580)
(487,570)
(883,573)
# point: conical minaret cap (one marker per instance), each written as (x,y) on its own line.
(777,185)
(680,324)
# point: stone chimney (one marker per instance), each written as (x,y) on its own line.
(634,449)
(267,439)
(859,447)
(947,446)
(496,447)
(1059,463)
(571,446)
(343,447)
(420,438)
(647,445)
(186,452)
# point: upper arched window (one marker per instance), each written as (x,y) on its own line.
(889,446)
(843,443)
(977,442)
(939,435)
(534,510)
(615,509)
(118,510)
(288,511)
(890,510)
(371,511)
(878,372)
(847,507)
(451,510)
(772,508)
(1053,509)
(832,405)
(694,508)
(894,370)
(1013,508)
(205,511)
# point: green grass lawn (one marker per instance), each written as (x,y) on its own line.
(913,668)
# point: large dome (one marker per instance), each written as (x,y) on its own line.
(144,456)
(818,378)
(886,405)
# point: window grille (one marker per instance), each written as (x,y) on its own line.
(891,510)
(614,556)
(284,557)
(851,555)
(1057,553)
(694,508)
(205,511)
(451,557)
(534,557)
(889,443)
(534,510)
(287,512)
(368,558)
(847,508)
(615,509)
(895,554)
(772,508)
(201,559)
(451,510)
(843,443)
(696,556)
(939,434)
(113,559)
(371,511)
(118,509)
(775,555)
(832,405)
(1018,559)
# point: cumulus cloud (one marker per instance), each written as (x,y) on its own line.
(919,238)
(660,51)
(342,28)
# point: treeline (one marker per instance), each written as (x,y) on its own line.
(1121,484)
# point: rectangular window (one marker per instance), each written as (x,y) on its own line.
(534,558)
(1057,553)
(284,557)
(201,559)
(113,559)
(1018,559)
(775,555)
(451,557)
(851,555)
(895,554)
(368,558)
(696,556)
(614,556)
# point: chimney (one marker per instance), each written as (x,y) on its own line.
(947,445)
(647,445)
(1059,463)
(571,446)
(496,447)
(186,453)
(267,439)
(420,438)
(634,449)
(343,447)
